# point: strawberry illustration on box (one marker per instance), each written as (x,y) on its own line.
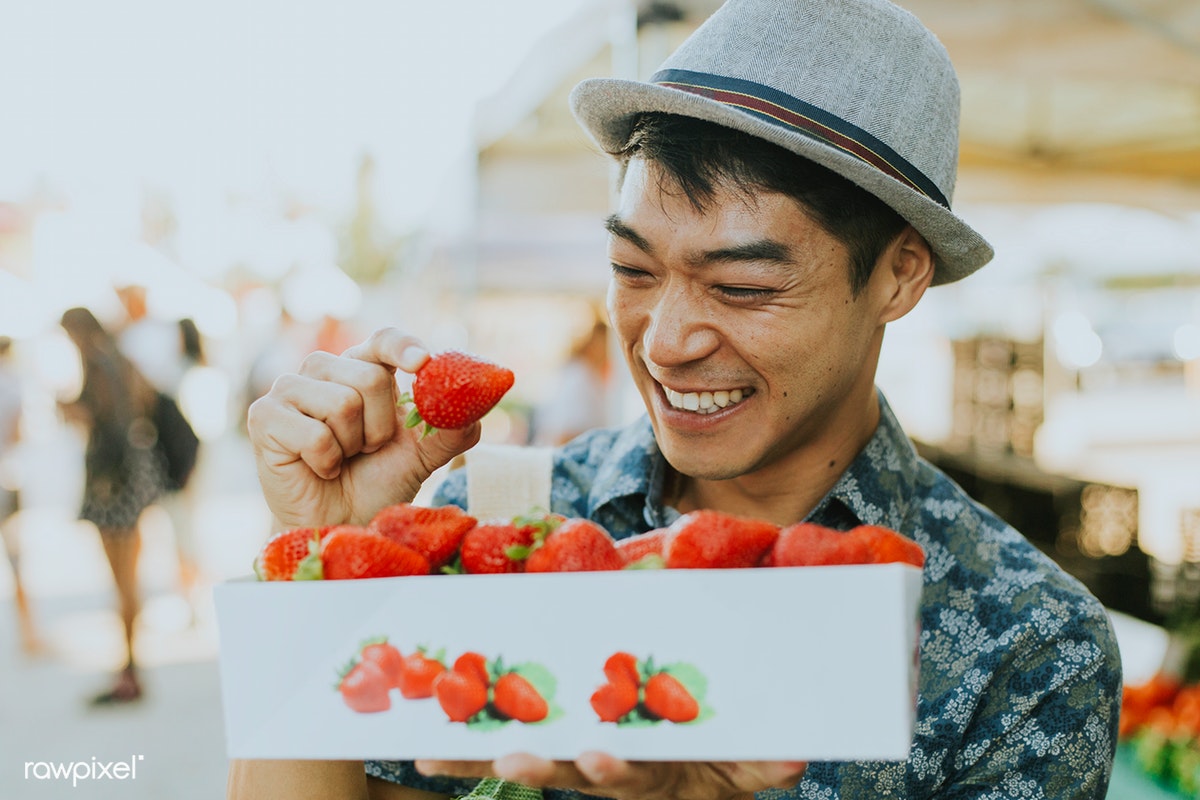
(486,695)
(643,693)
(480,693)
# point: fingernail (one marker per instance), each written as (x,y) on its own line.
(413,357)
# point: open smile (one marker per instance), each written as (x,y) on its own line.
(706,401)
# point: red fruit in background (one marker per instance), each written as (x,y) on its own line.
(712,539)
(622,667)
(418,675)
(614,700)
(350,552)
(485,549)
(634,548)
(454,389)
(387,657)
(576,545)
(807,544)
(460,694)
(435,533)
(516,698)
(473,664)
(669,699)
(886,546)
(364,688)
(283,553)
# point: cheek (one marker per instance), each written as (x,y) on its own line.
(623,316)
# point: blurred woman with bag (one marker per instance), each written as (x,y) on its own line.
(123,473)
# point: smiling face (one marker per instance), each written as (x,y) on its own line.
(754,357)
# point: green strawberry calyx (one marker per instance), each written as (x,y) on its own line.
(543,522)
(414,416)
(311,568)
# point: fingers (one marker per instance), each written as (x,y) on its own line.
(282,434)
(605,775)
(356,398)
(391,348)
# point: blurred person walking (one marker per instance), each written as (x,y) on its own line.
(164,351)
(10,433)
(123,474)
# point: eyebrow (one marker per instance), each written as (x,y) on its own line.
(767,250)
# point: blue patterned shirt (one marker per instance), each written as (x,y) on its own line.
(1020,677)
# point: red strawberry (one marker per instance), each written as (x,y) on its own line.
(473,664)
(350,551)
(886,546)
(712,539)
(386,656)
(364,688)
(460,694)
(418,675)
(807,544)
(433,532)
(486,548)
(454,389)
(622,668)
(516,698)
(283,553)
(614,700)
(576,545)
(634,549)
(669,699)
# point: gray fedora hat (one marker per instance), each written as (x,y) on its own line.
(858,86)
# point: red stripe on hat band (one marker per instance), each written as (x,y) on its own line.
(802,123)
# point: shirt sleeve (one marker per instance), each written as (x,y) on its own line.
(1049,726)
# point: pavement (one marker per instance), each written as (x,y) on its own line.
(171,743)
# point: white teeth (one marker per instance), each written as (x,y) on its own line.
(703,402)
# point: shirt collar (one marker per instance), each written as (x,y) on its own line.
(880,480)
(874,489)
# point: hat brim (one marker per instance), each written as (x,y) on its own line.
(608,107)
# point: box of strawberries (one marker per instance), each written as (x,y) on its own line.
(431,634)
(435,633)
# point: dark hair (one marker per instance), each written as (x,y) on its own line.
(697,156)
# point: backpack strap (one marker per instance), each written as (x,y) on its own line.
(504,481)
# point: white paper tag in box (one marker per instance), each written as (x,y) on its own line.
(808,663)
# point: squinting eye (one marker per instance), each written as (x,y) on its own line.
(628,273)
(744,292)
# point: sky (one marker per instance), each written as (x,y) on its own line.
(107,100)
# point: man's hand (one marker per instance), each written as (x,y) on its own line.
(602,774)
(330,443)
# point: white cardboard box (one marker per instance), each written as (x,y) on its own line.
(803,663)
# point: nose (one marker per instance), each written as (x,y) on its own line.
(678,331)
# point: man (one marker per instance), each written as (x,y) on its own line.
(785,194)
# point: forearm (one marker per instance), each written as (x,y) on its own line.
(296,780)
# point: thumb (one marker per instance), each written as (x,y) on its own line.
(442,445)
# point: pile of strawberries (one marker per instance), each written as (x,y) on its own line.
(406,539)
(1160,724)
(473,690)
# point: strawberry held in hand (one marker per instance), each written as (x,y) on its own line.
(455,389)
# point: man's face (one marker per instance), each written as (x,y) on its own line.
(740,328)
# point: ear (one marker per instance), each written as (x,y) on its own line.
(905,270)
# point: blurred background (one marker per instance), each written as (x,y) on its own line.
(288,177)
